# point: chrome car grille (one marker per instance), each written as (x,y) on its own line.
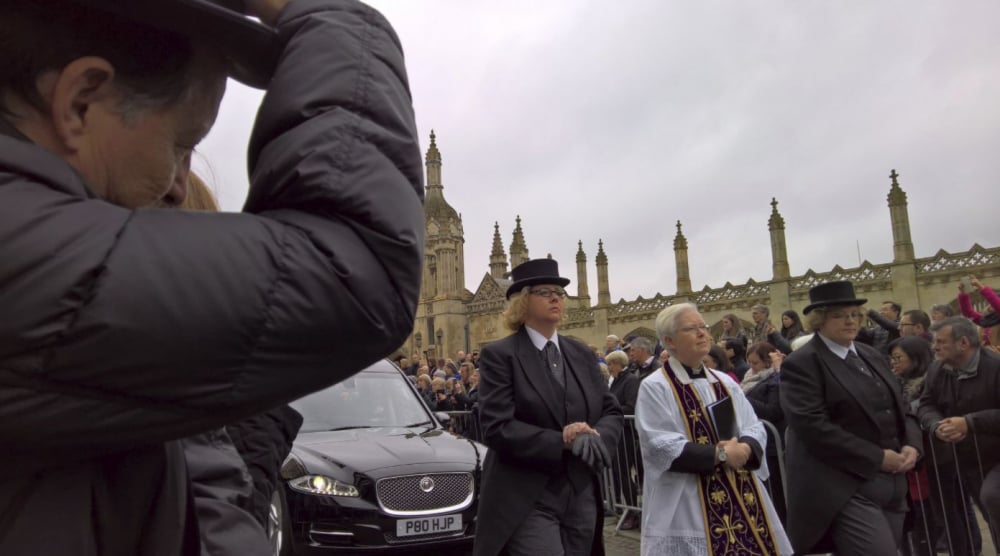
(402,496)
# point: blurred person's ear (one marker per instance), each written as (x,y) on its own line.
(73,94)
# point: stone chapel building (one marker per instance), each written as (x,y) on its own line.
(451,318)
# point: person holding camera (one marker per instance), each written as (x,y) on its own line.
(987,321)
(126,326)
(443,401)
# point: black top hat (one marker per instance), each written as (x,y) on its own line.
(536,271)
(832,293)
(251,48)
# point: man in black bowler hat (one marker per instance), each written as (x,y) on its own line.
(129,324)
(551,425)
(850,437)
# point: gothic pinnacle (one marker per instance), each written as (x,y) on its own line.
(775,222)
(497,243)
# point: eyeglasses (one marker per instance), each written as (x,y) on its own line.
(843,315)
(902,324)
(695,329)
(897,358)
(547,293)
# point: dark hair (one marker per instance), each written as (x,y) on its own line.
(151,66)
(739,349)
(795,329)
(919,317)
(737,323)
(895,306)
(918,350)
(716,352)
(763,351)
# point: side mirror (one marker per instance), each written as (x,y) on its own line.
(443,418)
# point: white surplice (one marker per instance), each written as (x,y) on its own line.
(672,521)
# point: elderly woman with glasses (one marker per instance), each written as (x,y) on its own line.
(703,453)
(850,438)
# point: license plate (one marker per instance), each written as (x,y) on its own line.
(428,525)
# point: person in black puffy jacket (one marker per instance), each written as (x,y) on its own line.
(264,441)
(127,327)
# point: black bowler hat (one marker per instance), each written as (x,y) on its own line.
(832,293)
(536,271)
(250,47)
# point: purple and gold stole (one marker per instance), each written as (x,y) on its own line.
(731,504)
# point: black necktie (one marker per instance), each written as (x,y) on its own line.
(554,362)
(856,362)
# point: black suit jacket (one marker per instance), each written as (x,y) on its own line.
(625,389)
(642,372)
(832,436)
(977,399)
(522,416)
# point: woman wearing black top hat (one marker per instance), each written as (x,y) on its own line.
(551,425)
(850,438)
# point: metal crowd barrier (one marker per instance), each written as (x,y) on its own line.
(944,498)
(465,423)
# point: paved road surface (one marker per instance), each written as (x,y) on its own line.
(625,543)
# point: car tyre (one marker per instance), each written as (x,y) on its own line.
(279,530)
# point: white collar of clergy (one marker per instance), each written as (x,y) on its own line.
(684,377)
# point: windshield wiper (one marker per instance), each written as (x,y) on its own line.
(349,427)
(427,422)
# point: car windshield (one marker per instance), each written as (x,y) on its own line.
(366,400)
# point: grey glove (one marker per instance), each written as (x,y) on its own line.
(602,450)
(581,448)
(590,449)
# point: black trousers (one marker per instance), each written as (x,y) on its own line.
(561,524)
(872,520)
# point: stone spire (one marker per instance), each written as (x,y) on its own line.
(681,260)
(902,244)
(433,162)
(603,289)
(498,257)
(444,250)
(518,249)
(435,207)
(581,273)
(779,251)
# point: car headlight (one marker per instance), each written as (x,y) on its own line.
(319,484)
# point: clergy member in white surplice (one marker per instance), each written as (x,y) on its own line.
(702,493)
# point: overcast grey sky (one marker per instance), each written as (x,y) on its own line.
(598,120)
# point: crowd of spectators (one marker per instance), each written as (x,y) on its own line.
(445,384)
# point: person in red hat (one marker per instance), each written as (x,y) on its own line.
(551,425)
(850,437)
(126,326)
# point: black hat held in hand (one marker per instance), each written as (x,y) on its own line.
(251,48)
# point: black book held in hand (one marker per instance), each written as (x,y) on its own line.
(723,416)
